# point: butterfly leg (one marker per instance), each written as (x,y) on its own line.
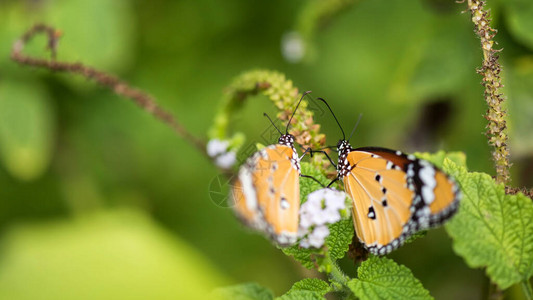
(316,180)
(324,152)
(305,152)
(333,181)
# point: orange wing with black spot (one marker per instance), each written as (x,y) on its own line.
(266,193)
(395,195)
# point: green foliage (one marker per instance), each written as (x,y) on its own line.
(340,238)
(307,257)
(518,16)
(113,31)
(303,295)
(314,15)
(519,86)
(382,278)
(311,284)
(415,236)
(121,254)
(26,128)
(308,288)
(492,229)
(245,291)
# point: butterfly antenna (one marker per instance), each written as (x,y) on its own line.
(355,127)
(343,135)
(288,124)
(265,114)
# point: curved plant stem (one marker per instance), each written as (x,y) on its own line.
(142,99)
(335,273)
(284,95)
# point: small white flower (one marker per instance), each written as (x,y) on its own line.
(317,238)
(335,199)
(226,160)
(332,215)
(216,147)
(321,208)
(304,243)
(320,232)
(301,232)
(306,220)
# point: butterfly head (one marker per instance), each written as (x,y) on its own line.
(286,139)
(343,146)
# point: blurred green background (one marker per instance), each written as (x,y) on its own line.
(98,200)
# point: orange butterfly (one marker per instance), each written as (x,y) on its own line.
(266,194)
(394,195)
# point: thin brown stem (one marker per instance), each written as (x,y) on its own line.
(118,86)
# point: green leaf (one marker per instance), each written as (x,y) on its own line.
(245,291)
(26,128)
(415,236)
(307,257)
(308,288)
(301,295)
(340,238)
(492,229)
(311,284)
(382,278)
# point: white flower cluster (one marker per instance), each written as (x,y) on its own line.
(218,149)
(322,207)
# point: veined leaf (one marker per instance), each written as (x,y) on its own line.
(308,288)
(340,238)
(301,295)
(492,229)
(311,284)
(382,278)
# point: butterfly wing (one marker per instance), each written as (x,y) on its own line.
(395,195)
(266,194)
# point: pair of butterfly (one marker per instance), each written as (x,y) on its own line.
(394,195)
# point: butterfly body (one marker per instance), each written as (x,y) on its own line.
(394,195)
(266,193)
